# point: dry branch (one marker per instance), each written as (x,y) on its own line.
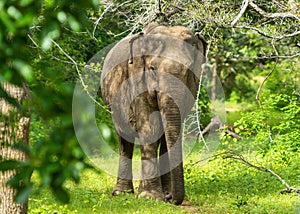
(272,15)
(296,33)
(100,18)
(257,97)
(243,10)
(236,156)
(215,124)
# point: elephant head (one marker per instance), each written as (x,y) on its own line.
(150,82)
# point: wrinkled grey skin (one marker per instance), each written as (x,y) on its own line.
(150,92)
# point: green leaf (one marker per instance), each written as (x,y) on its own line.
(8,98)
(73,23)
(23,193)
(46,43)
(14,12)
(61,194)
(62,17)
(24,3)
(21,146)
(6,165)
(24,69)
(6,21)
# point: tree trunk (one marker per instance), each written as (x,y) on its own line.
(13,128)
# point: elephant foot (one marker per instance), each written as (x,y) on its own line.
(152,195)
(123,186)
(116,192)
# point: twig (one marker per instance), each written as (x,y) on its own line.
(242,11)
(257,97)
(234,155)
(100,18)
(296,33)
(176,10)
(275,57)
(200,135)
(272,15)
(159,6)
(209,158)
(54,57)
(32,40)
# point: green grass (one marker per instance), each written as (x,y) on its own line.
(219,186)
(93,195)
(227,186)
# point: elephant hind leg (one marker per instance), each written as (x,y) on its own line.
(124,181)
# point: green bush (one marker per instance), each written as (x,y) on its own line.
(276,126)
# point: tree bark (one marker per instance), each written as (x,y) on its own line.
(13,129)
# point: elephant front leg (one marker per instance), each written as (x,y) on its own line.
(150,186)
(124,182)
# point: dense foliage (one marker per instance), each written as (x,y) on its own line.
(27,29)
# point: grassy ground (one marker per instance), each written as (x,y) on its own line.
(219,186)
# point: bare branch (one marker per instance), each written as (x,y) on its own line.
(265,79)
(177,9)
(100,18)
(272,15)
(159,6)
(242,11)
(279,56)
(200,135)
(257,97)
(32,40)
(236,156)
(296,33)
(210,157)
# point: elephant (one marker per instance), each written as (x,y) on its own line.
(149,81)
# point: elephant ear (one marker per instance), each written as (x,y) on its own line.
(200,55)
(204,44)
(199,60)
